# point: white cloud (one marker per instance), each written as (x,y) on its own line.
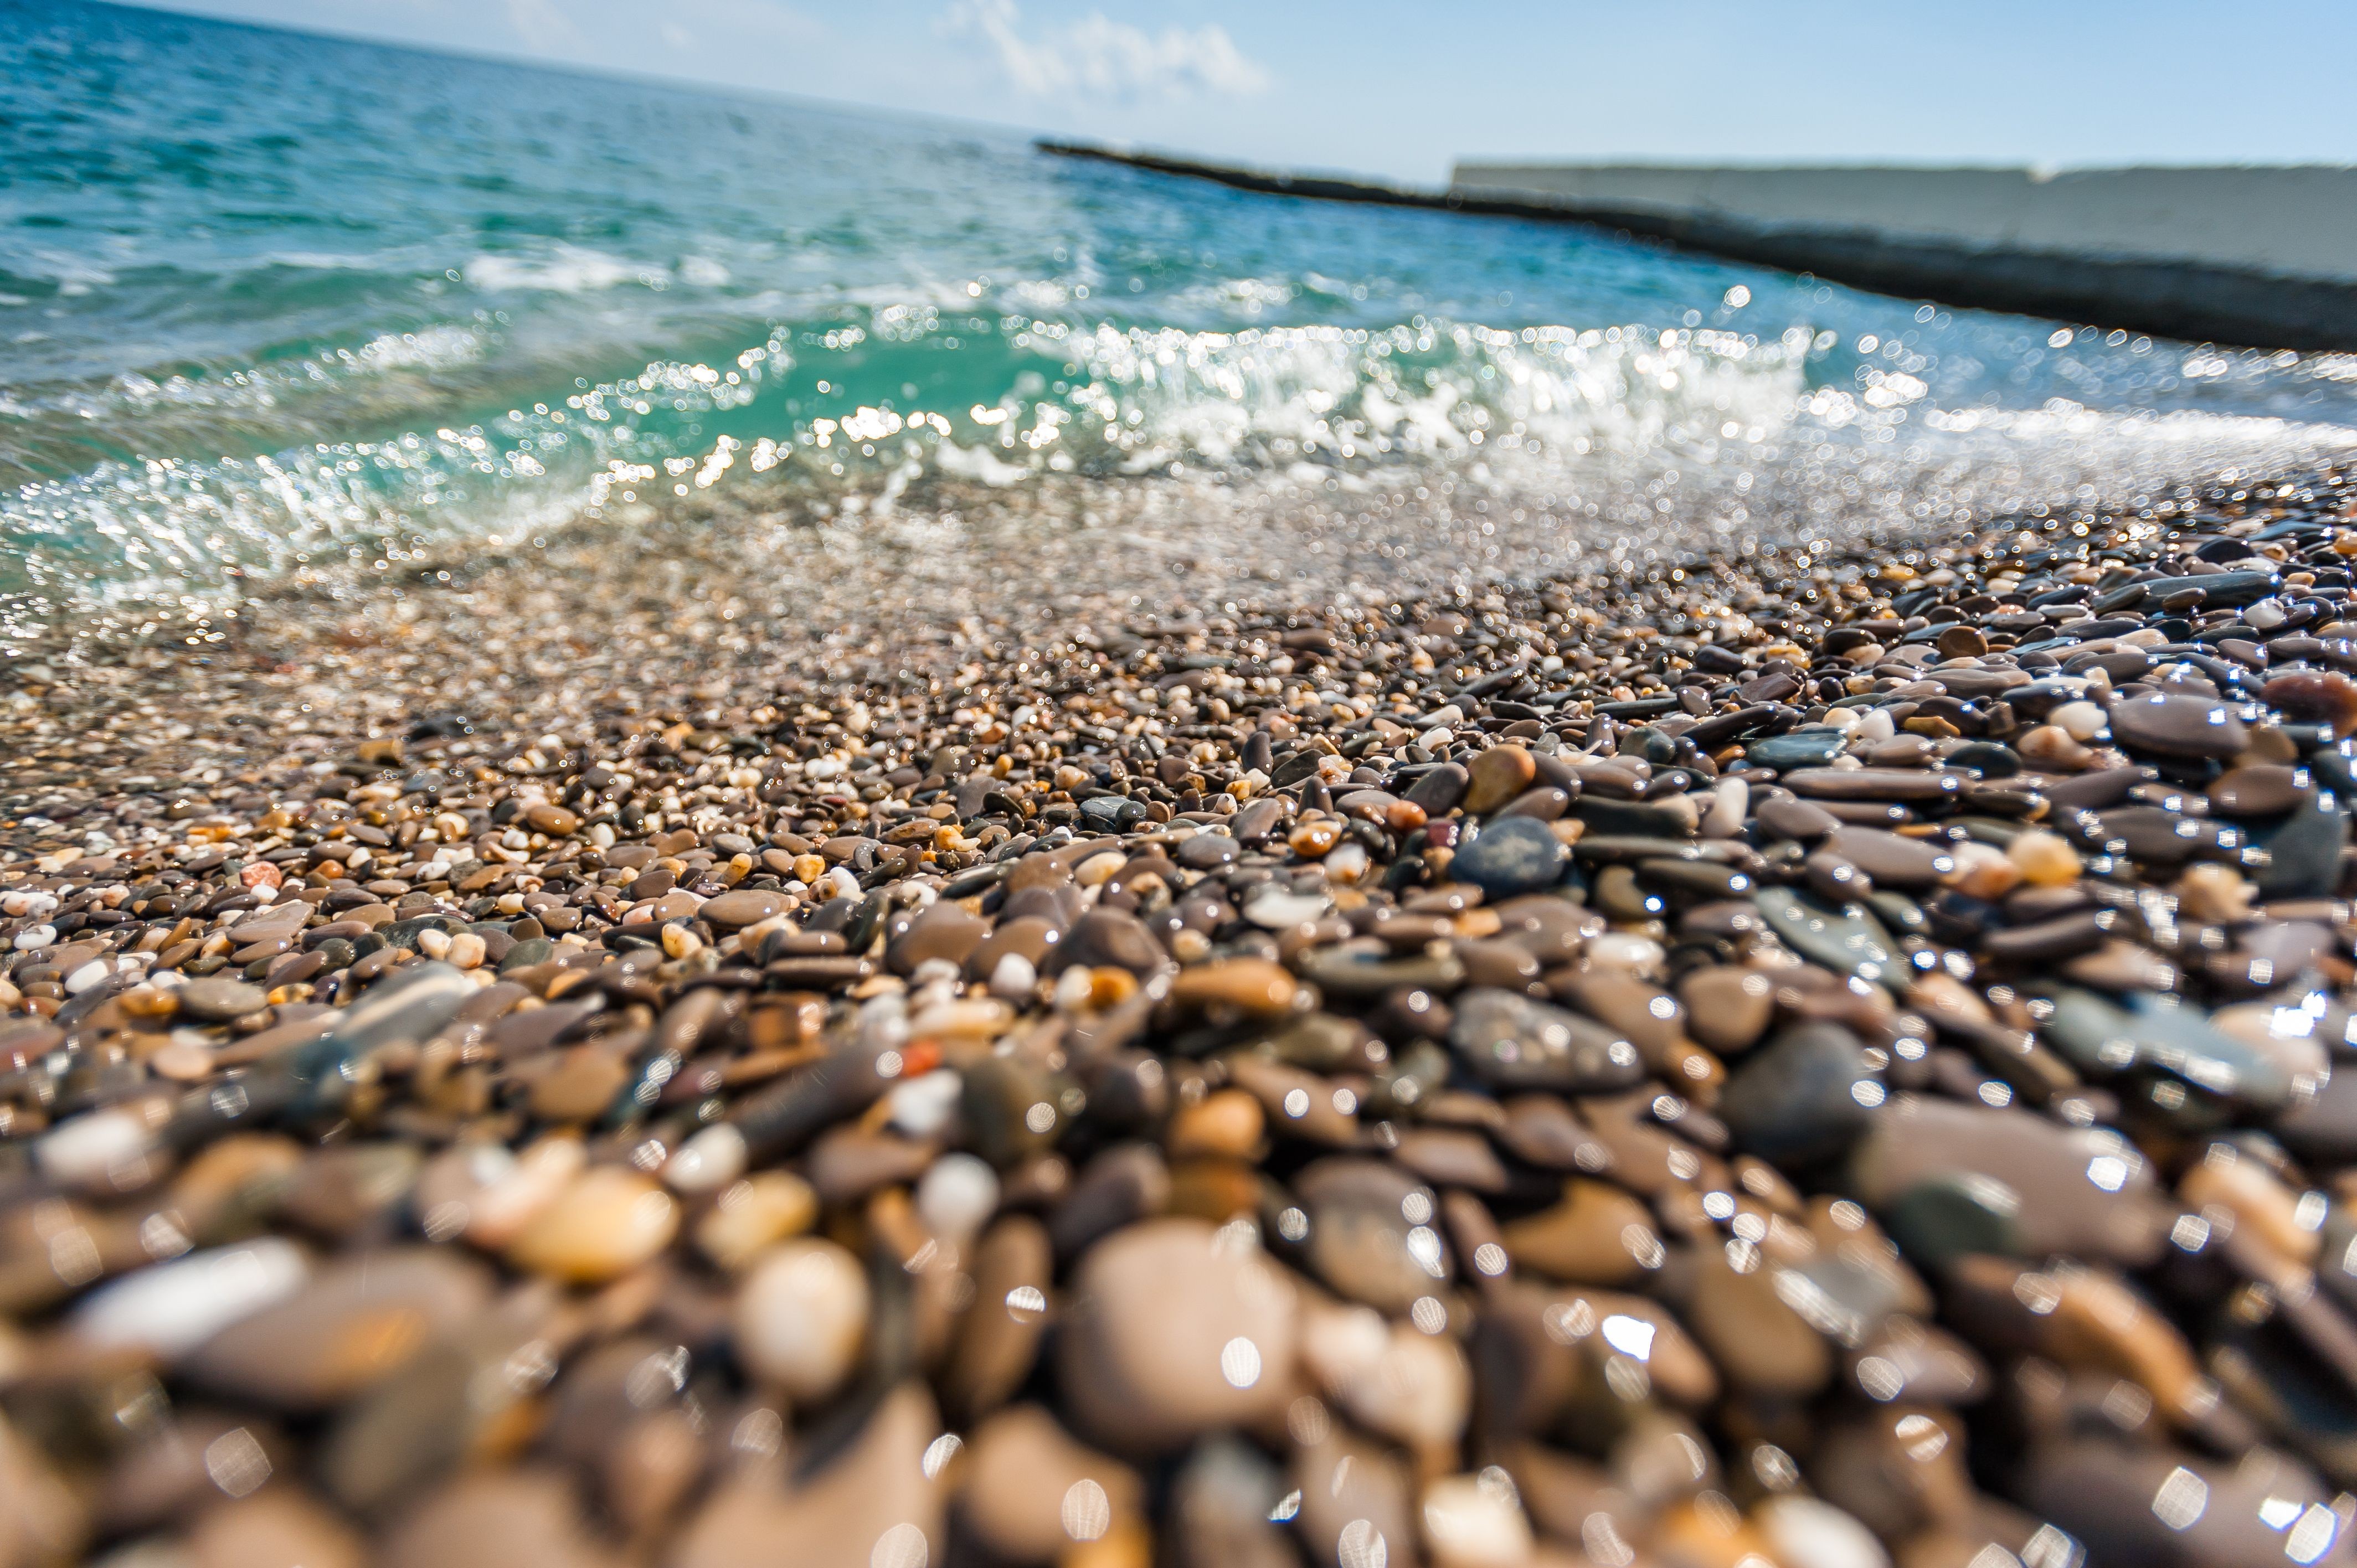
(1099,58)
(543,28)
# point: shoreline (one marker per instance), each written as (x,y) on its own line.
(773,943)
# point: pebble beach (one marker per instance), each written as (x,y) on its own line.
(714,1046)
(741,833)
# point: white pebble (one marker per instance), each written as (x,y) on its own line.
(934,971)
(708,1162)
(1346,864)
(882,1022)
(957,1196)
(1622,951)
(33,937)
(2080,721)
(468,950)
(88,975)
(841,882)
(1274,911)
(434,943)
(1075,989)
(1727,804)
(171,1308)
(801,1315)
(1874,725)
(90,1150)
(1804,1530)
(1473,1521)
(1014,977)
(921,1107)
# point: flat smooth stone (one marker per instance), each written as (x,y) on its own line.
(1874,783)
(1802,1097)
(1849,941)
(2173,1037)
(1509,1041)
(2191,727)
(1812,745)
(1512,855)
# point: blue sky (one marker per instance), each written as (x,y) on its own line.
(1399,88)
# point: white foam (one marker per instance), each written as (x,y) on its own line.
(569,269)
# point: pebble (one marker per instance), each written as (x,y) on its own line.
(1177,1328)
(2044,859)
(346,1328)
(750,1215)
(1034,1495)
(708,1161)
(801,1317)
(1513,1042)
(607,1222)
(214,1000)
(1728,1008)
(1597,1234)
(1475,1521)
(279,1527)
(100,1150)
(2057,1189)
(877,1502)
(1802,1097)
(2164,725)
(2257,789)
(524,1518)
(1239,985)
(1803,1529)
(1810,746)
(956,1197)
(167,1309)
(2323,697)
(1511,857)
(1496,776)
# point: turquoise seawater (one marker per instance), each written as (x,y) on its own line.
(269,299)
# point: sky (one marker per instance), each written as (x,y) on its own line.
(1398,89)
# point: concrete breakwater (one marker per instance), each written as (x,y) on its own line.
(2265,256)
(2259,256)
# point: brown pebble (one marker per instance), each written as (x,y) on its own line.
(745,906)
(1177,1330)
(1497,775)
(1245,985)
(1727,1007)
(1031,1492)
(606,1223)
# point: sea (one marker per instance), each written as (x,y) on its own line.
(278,306)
